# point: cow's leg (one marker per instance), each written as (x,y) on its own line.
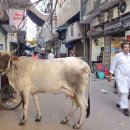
(83,106)
(25,97)
(36,102)
(73,109)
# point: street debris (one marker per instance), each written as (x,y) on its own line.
(104,91)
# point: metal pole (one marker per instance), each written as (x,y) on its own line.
(51,16)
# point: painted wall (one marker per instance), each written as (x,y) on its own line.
(115,46)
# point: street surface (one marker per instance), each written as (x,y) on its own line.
(104,114)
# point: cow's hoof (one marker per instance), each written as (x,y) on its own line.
(64,121)
(76,126)
(22,123)
(38,119)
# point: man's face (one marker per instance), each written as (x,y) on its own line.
(126,48)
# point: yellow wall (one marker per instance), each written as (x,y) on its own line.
(115,43)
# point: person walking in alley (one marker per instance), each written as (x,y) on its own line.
(72,53)
(121,67)
(51,55)
(35,56)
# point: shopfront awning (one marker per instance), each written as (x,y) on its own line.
(61,28)
(69,45)
(37,17)
(23,46)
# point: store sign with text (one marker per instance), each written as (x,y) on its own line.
(117,26)
(95,31)
(17,20)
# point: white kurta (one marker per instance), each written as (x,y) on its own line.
(51,56)
(121,67)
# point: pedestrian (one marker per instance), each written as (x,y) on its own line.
(51,55)
(72,53)
(35,56)
(121,67)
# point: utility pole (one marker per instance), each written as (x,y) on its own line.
(51,15)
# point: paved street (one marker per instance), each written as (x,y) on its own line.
(104,114)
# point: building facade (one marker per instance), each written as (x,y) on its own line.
(71,31)
(109,25)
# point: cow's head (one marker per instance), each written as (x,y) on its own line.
(4,61)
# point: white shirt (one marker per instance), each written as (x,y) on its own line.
(121,67)
(51,56)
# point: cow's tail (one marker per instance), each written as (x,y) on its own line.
(89,89)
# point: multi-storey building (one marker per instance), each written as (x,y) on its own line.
(71,32)
(109,25)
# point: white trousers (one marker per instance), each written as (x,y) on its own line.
(123,100)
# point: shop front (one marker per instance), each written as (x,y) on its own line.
(76,47)
(97,46)
(117,32)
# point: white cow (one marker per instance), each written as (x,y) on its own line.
(62,75)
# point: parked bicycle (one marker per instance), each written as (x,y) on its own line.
(9,99)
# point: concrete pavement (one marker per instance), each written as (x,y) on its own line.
(104,114)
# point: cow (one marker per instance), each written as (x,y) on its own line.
(68,75)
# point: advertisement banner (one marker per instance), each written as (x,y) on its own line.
(17,21)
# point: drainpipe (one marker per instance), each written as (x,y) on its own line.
(51,16)
(85,42)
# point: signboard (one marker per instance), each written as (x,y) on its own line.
(95,31)
(117,26)
(16,19)
(126,22)
(113,27)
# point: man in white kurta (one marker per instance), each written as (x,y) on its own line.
(121,67)
(51,56)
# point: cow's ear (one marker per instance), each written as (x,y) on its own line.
(6,58)
(15,58)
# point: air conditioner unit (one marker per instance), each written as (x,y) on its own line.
(104,17)
(124,7)
(95,22)
(113,13)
